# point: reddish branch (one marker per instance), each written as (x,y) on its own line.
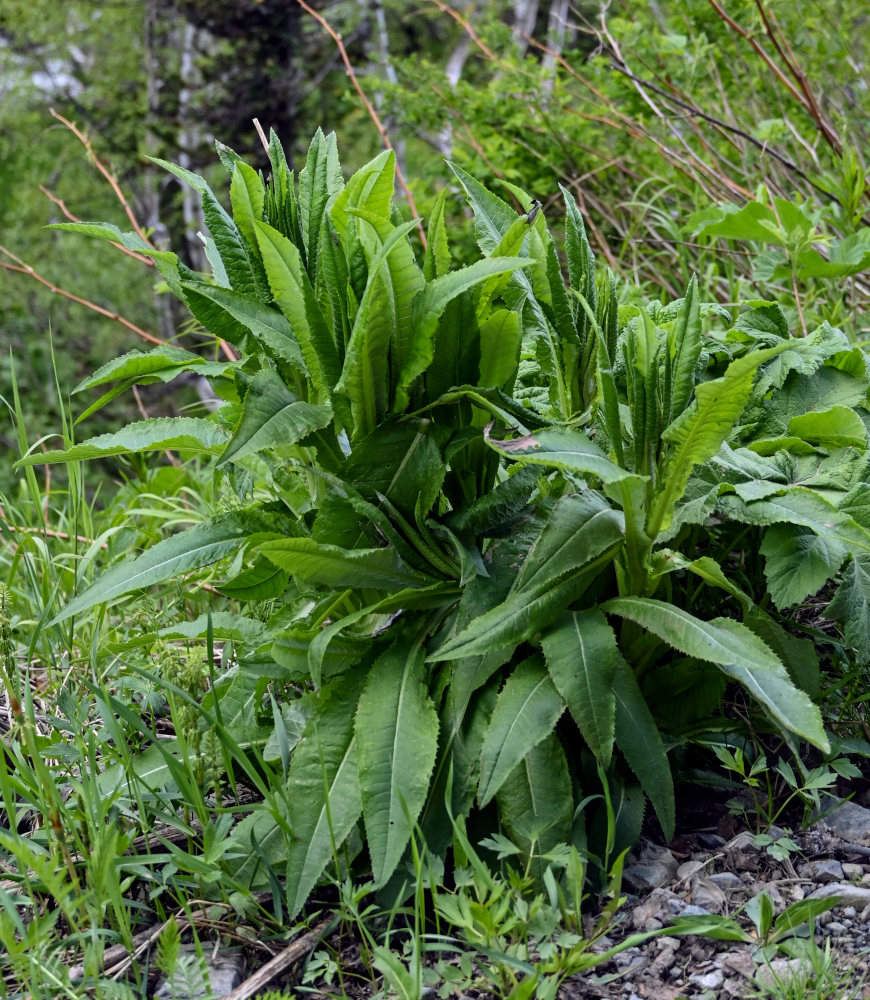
(53,198)
(104,170)
(802,93)
(23,268)
(379,125)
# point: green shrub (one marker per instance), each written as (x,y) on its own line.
(499,517)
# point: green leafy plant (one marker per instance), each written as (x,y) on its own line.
(486,504)
(773,789)
(771,934)
(820,974)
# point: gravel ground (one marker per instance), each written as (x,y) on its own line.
(707,874)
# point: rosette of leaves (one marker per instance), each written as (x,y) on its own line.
(483,495)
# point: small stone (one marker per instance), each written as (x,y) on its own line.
(695,911)
(850,912)
(744,842)
(847,821)
(726,880)
(655,906)
(604,943)
(740,962)
(826,870)
(835,928)
(852,871)
(850,895)
(797,893)
(708,895)
(689,868)
(643,877)
(709,981)
(778,970)
(711,841)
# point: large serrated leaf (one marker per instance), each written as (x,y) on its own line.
(640,742)
(561,448)
(381,569)
(737,651)
(528,708)
(247,197)
(582,657)
(579,528)
(323,783)
(198,546)
(851,604)
(430,304)
(228,240)
(191,434)
(273,417)
(295,297)
(580,537)
(535,802)
(397,734)
(162,364)
(268,326)
(798,562)
(437,258)
(684,349)
(700,430)
(837,427)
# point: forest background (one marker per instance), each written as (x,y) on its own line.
(648,113)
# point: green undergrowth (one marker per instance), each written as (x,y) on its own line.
(463,571)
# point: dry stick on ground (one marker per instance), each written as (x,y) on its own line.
(295,951)
(379,125)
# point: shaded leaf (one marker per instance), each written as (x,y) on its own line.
(527,709)
(582,657)
(397,733)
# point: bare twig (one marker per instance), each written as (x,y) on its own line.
(74,218)
(22,268)
(261,134)
(104,170)
(62,535)
(290,955)
(810,103)
(466,27)
(140,406)
(379,125)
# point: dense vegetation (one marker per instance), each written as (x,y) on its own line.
(468,542)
